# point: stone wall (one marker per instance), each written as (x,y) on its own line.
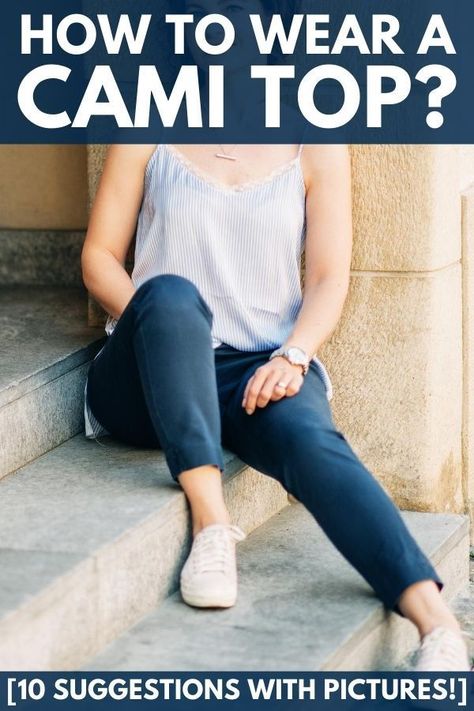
(466,183)
(468,349)
(43,214)
(399,357)
(43,187)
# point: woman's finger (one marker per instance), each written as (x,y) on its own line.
(275,375)
(280,384)
(263,386)
(294,386)
(253,388)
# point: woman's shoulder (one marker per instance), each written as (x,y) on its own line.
(325,159)
(328,164)
(325,152)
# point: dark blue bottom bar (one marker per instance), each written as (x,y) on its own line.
(242,690)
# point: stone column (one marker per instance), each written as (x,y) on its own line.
(396,356)
(467,187)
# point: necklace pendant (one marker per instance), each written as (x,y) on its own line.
(225,156)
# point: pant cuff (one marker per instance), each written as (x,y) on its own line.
(190,457)
(409,570)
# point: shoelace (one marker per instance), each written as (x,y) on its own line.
(444,646)
(212,550)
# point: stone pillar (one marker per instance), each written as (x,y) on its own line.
(396,356)
(468,350)
(467,188)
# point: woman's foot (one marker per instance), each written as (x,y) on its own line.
(209,575)
(442,649)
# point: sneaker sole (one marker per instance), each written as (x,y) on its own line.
(200,601)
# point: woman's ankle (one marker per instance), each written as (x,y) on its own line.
(423,605)
(203,489)
(202,520)
(448,621)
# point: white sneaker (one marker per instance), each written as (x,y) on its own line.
(209,575)
(442,649)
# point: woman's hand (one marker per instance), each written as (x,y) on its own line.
(263,385)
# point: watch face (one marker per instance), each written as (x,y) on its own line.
(296,355)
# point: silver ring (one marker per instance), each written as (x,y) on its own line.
(282,385)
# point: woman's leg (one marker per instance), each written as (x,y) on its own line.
(294,440)
(154,385)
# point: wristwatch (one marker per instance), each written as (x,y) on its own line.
(294,355)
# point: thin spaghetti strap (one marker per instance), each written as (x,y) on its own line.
(300,149)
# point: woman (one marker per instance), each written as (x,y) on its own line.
(214,291)
(193,356)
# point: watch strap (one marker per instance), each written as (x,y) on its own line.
(281,351)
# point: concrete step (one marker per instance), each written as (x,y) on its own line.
(93,536)
(45,349)
(301,607)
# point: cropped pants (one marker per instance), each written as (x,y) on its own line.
(158,382)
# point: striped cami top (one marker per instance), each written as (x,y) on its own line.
(241,245)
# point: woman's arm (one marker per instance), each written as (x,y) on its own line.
(327,172)
(328,248)
(112,225)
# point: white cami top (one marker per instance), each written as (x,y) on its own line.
(241,245)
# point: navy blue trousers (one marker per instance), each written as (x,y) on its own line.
(158,382)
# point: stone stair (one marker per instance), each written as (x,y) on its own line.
(92,538)
(45,348)
(301,607)
(93,535)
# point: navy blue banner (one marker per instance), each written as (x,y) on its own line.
(259,71)
(242,690)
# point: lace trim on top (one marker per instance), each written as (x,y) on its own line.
(238,187)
